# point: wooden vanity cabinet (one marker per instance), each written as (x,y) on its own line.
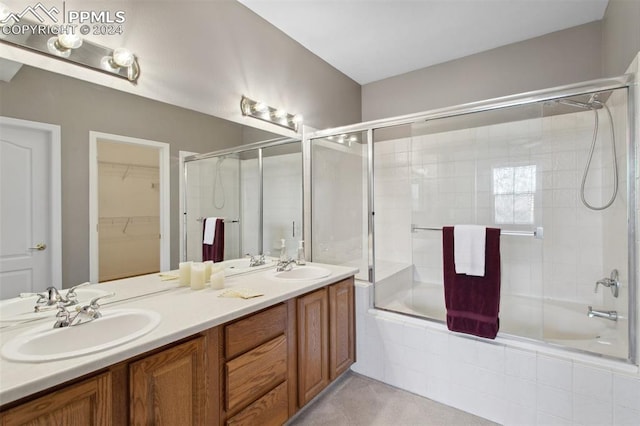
(256,370)
(168,387)
(258,380)
(326,337)
(85,403)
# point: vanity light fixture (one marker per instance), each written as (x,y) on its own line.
(264,112)
(66,43)
(63,44)
(121,59)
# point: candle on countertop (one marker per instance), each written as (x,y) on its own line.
(217,279)
(207,269)
(197,276)
(185,273)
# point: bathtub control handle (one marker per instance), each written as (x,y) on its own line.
(611,282)
(610,315)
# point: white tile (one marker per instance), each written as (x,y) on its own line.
(390,330)
(520,391)
(626,391)
(438,389)
(588,410)
(625,416)
(517,414)
(520,364)
(547,419)
(437,342)
(414,337)
(438,366)
(594,382)
(463,349)
(554,372)
(491,356)
(554,401)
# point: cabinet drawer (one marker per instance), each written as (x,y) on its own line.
(250,332)
(271,409)
(255,373)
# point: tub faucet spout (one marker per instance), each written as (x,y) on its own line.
(610,315)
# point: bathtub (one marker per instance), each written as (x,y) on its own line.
(553,322)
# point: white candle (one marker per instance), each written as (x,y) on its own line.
(197,276)
(185,273)
(207,269)
(217,280)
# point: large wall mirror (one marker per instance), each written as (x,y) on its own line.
(76,108)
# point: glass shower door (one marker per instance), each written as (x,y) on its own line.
(339,191)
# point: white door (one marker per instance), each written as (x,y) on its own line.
(25,208)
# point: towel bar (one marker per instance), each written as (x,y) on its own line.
(538,233)
(200,219)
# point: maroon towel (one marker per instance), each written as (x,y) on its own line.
(472,302)
(214,251)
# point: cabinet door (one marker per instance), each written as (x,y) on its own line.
(341,327)
(168,388)
(313,345)
(85,403)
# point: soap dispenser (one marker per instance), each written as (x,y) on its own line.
(283,251)
(301,260)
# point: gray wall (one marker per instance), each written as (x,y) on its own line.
(562,57)
(620,36)
(79,107)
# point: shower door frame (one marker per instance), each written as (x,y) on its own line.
(258,147)
(627,81)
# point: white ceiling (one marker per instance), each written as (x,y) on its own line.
(369,40)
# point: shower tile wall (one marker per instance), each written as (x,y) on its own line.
(452,182)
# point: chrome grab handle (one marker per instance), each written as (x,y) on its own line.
(39,247)
(94,302)
(611,282)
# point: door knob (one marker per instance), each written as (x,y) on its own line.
(39,247)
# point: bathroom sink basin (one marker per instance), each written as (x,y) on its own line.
(303,273)
(115,327)
(19,309)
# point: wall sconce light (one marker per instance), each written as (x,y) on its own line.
(270,114)
(65,43)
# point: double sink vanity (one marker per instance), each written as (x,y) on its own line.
(163,354)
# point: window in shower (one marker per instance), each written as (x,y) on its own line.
(514,190)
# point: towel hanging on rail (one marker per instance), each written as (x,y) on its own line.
(472,302)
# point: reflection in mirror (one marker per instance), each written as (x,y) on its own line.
(256,190)
(79,107)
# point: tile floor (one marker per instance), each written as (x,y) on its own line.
(356,400)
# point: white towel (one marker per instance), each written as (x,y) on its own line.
(209,230)
(469,249)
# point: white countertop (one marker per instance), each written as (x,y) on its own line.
(184,313)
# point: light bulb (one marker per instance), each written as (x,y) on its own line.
(297,118)
(259,107)
(69,41)
(280,113)
(123,57)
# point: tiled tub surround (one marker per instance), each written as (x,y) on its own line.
(447,178)
(507,381)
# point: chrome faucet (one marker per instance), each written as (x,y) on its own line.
(83,314)
(256,260)
(285,265)
(610,315)
(611,282)
(51,297)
